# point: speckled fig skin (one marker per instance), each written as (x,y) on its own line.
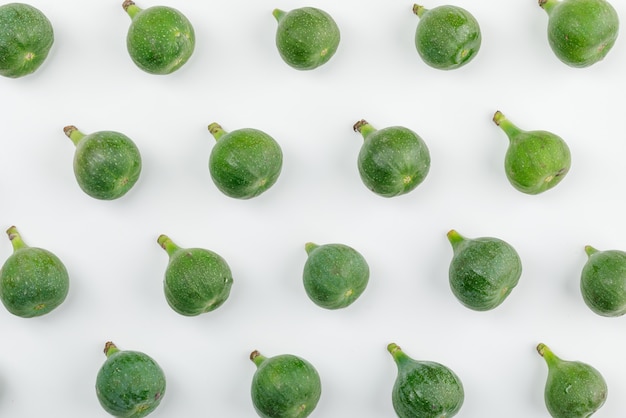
(392,161)
(581,32)
(535,161)
(447,37)
(603,282)
(244,163)
(129,384)
(424,389)
(573,389)
(107,164)
(284,386)
(483,271)
(335,275)
(33,281)
(26,37)
(160,39)
(196,280)
(306,37)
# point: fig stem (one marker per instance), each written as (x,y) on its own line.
(506,125)
(110,348)
(257,357)
(278,14)
(363,127)
(131,8)
(590,250)
(309,246)
(397,353)
(455,238)
(73,133)
(419,10)
(168,245)
(16,238)
(546,353)
(547,5)
(216,130)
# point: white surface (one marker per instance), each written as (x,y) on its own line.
(236,77)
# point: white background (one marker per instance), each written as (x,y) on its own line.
(236,78)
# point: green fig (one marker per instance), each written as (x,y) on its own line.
(284,386)
(335,275)
(581,32)
(33,281)
(160,39)
(107,164)
(535,161)
(306,37)
(196,280)
(26,37)
(603,281)
(483,271)
(573,389)
(447,37)
(244,163)
(129,384)
(424,389)
(392,161)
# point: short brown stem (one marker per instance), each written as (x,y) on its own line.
(357,126)
(127,4)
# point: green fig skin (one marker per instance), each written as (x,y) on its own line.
(196,280)
(244,163)
(573,389)
(392,161)
(447,37)
(424,389)
(284,386)
(129,384)
(581,32)
(535,161)
(335,275)
(107,164)
(26,37)
(160,39)
(483,271)
(33,281)
(306,38)
(603,282)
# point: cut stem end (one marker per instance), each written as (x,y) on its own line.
(15,238)
(256,357)
(110,348)
(590,250)
(216,130)
(419,10)
(309,247)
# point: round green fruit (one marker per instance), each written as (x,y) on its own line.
(33,281)
(392,161)
(284,386)
(573,389)
(424,389)
(603,282)
(447,37)
(160,39)
(244,163)
(483,271)
(107,164)
(335,275)
(196,280)
(26,37)
(535,161)
(306,37)
(129,384)
(581,32)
